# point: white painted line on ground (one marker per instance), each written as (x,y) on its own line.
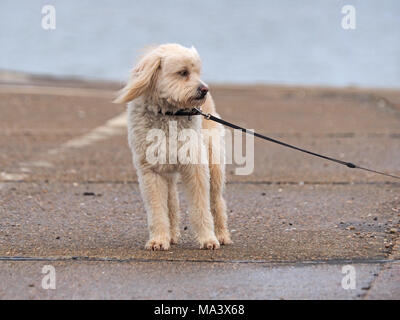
(38,164)
(58,91)
(114,126)
(12,176)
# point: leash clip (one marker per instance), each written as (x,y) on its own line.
(205,115)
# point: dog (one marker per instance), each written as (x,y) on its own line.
(165,80)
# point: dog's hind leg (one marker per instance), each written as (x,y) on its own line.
(215,142)
(154,189)
(196,180)
(218,206)
(173,209)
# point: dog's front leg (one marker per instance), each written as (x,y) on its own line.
(154,189)
(173,208)
(196,180)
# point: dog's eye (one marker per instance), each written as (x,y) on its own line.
(183,73)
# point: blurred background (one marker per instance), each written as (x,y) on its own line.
(272,42)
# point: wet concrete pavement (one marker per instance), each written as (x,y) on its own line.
(183,280)
(69,198)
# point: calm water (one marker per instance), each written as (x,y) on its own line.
(283,41)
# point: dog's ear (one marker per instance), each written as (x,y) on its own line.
(194,50)
(142,78)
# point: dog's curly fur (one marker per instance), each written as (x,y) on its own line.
(167,78)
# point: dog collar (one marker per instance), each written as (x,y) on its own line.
(183,112)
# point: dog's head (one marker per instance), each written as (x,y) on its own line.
(168,74)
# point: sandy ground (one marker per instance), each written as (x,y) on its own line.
(69,198)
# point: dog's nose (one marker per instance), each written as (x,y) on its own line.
(202,89)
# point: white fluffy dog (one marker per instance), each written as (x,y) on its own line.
(165,80)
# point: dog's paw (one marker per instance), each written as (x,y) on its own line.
(209,244)
(175,235)
(174,239)
(157,244)
(224,237)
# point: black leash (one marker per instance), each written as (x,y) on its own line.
(196,111)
